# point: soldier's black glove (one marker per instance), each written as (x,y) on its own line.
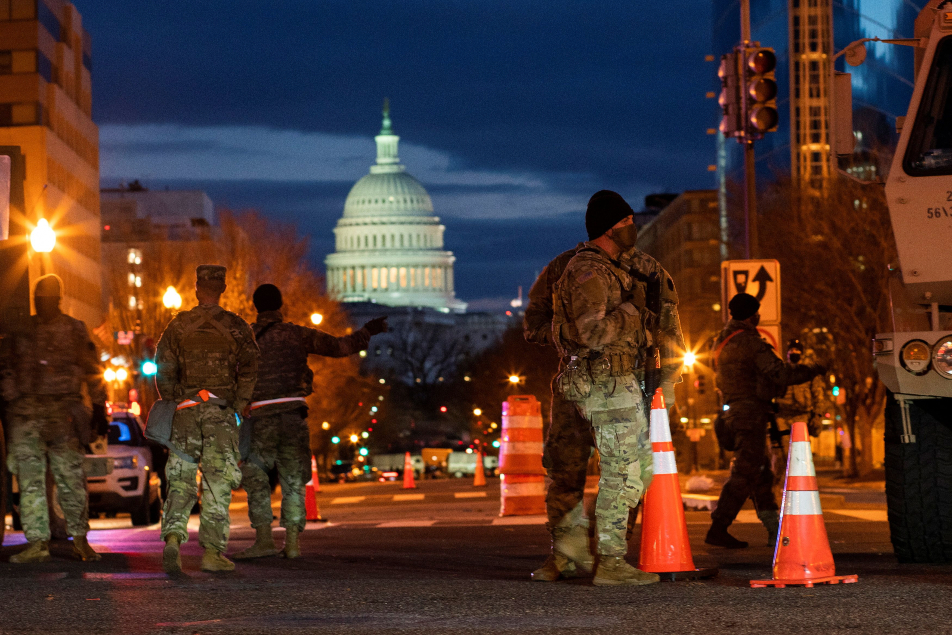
(99,421)
(820,369)
(377,325)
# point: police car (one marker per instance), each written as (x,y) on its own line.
(126,479)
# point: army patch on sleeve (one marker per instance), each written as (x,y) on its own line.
(586,276)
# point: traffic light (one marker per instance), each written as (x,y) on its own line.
(761,91)
(730,98)
(700,384)
(149,368)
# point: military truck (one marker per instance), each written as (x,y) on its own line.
(914,361)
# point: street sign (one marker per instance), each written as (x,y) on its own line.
(771,334)
(759,278)
(125,338)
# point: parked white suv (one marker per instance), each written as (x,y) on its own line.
(125,478)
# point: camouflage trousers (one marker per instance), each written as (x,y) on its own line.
(279,440)
(41,434)
(615,408)
(209,435)
(568,448)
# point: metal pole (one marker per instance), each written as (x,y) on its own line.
(750,171)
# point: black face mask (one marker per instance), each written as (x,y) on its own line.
(793,358)
(625,237)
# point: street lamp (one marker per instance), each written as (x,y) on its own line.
(514,379)
(316,318)
(354,438)
(109,375)
(43,238)
(326,426)
(477,411)
(690,359)
(172,299)
(121,374)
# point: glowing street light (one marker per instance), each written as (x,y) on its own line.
(109,375)
(316,318)
(43,238)
(121,374)
(690,359)
(326,426)
(172,299)
(514,379)
(477,411)
(354,438)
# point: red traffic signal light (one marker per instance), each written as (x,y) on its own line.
(442,408)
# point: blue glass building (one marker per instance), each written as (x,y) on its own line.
(805,35)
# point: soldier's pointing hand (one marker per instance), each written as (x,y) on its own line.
(377,325)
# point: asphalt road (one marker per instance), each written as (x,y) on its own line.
(391,562)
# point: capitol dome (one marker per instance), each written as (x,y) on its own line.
(389,245)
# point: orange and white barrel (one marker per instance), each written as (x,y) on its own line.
(522,484)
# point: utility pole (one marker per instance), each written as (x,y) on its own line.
(750,169)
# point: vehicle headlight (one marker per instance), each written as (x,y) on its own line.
(915,356)
(942,357)
(882,346)
(125,462)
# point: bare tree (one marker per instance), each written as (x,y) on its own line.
(836,253)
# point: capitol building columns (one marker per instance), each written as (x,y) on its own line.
(389,244)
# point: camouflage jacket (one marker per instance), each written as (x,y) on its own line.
(670,338)
(52,358)
(207,348)
(282,367)
(537,323)
(590,318)
(803,400)
(748,369)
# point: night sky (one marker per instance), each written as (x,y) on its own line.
(511,113)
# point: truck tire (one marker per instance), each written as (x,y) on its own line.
(919,481)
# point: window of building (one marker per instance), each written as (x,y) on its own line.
(374,277)
(426,276)
(403,277)
(393,275)
(413,274)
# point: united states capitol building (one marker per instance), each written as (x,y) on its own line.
(390,259)
(389,244)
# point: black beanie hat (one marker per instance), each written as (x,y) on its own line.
(743,305)
(267,297)
(605,209)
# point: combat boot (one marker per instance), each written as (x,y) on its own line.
(83,551)
(556,567)
(614,571)
(36,551)
(574,544)
(171,560)
(291,548)
(717,535)
(214,560)
(771,521)
(264,545)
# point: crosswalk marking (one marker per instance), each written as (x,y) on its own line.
(520,520)
(347,500)
(872,515)
(408,497)
(470,495)
(408,523)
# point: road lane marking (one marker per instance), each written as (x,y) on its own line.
(520,520)
(408,497)
(470,495)
(871,515)
(347,500)
(408,523)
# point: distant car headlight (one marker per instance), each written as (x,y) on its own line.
(915,357)
(125,462)
(942,357)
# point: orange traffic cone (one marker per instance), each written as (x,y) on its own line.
(665,548)
(312,510)
(802,555)
(408,482)
(479,480)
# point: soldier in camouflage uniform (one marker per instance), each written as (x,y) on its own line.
(45,366)
(568,445)
(749,375)
(207,360)
(601,322)
(278,417)
(802,402)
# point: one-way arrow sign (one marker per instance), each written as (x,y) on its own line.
(739,276)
